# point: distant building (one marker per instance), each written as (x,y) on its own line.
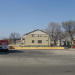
(36,38)
(15,41)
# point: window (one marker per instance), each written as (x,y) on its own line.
(39,41)
(32,35)
(2,41)
(32,41)
(38,35)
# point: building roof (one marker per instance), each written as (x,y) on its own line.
(36,30)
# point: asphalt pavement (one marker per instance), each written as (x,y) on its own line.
(37,62)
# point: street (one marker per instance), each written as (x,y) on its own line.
(37,62)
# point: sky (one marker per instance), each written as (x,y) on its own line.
(23,16)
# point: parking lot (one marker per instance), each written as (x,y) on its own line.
(37,62)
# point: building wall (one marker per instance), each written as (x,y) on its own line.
(44,37)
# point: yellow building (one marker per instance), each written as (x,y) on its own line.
(36,38)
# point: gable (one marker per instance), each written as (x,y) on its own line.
(38,32)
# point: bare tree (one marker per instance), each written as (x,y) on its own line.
(62,35)
(69,27)
(54,29)
(47,30)
(15,36)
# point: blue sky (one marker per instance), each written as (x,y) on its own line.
(22,16)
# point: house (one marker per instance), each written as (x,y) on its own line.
(14,41)
(65,40)
(36,38)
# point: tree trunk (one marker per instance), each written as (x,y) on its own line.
(55,42)
(60,42)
